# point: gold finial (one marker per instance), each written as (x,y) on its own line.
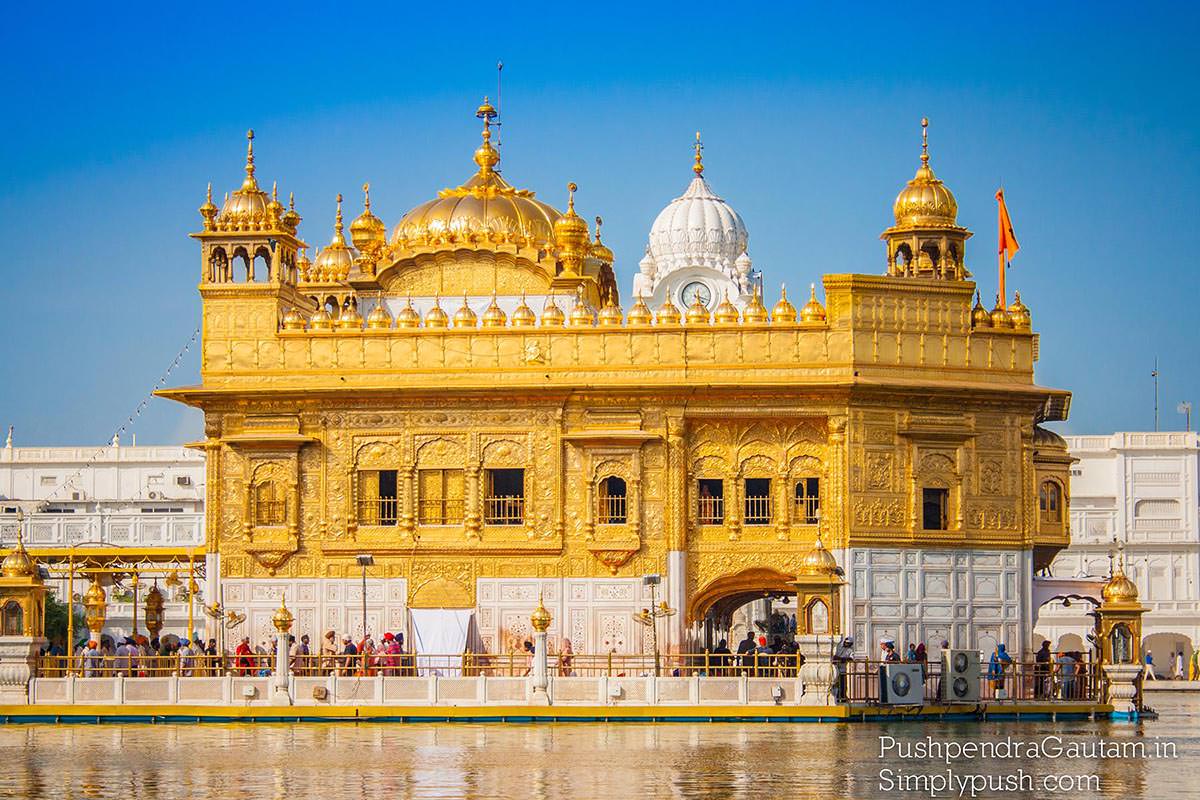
(291,201)
(208,194)
(925,140)
(571,187)
(486,156)
(250,153)
(275,191)
(338,224)
(599,222)
(367,196)
(698,167)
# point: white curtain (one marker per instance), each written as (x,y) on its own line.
(440,638)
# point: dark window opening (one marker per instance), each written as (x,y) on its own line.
(505,501)
(758,501)
(934,506)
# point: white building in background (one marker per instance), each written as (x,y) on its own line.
(1140,490)
(696,249)
(114,496)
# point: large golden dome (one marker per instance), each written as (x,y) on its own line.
(483,212)
(246,208)
(925,200)
(1119,589)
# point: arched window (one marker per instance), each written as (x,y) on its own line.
(270,507)
(13,623)
(1122,645)
(1050,502)
(818,617)
(808,501)
(612,510)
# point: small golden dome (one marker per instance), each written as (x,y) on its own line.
(599,250)
(819,561)
(436,317)
(95,596)
(640,313)
(1120,590)
(581,313)
(349,319)
(274,207)
(813,311)
(290,217)
(980,318)
(334,262)
(320,321)
(408,316)
(523,316)
(18,564)
(303,265)
(494,316)
(367,231)
(756,312)
(1044,438)
(293,320)
(379,318)
(925,200)
(282,618)
(246,207)
(726,313)
(1000,317)
(783,312)
(208,210)
(570,231)
(465,317)
(668,313)
(540,618)
(697,313)
(1022,319)
(611,314)
(552,315)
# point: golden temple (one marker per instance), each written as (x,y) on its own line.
(468,401)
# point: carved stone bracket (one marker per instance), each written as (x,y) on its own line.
(614,556)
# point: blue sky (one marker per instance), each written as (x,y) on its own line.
(115,122)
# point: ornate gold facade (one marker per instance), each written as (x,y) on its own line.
(857,420)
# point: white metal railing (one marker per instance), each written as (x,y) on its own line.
(758,510)
(504,510)
(711,510)
(808,510)
(612,510)
(63,530)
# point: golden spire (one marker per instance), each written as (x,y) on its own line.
(366,196)
(571,187)
(338,238)
(599,250)
(208,211)
(250,184)
(698,167)
(486,156)
(925,140)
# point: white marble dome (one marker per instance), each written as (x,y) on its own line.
(697,229)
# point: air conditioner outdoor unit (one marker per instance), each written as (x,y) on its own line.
(183,480)
(901,685)
(960,676)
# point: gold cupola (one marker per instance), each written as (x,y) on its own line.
(245,209)
(293,320)
(640,313)
(484,213)
(1000,316)
(756,312)
(610,314)
(408,316)
(813,311)
(334,262)
(465,317)
(818,561)
(523,316)
(581,313)
(783,312)
(18,563)
(668,313)
(379,318)
(208,210)
(435,317)
(599,250)
(1120,590)
(1022,319)
(291,218)
(697,313)
(349,319)
(926,241)
(274,207)
(571,237)
(367,231)
(493,315)
(552,315)
(980,318)
(320,320)
(726,312)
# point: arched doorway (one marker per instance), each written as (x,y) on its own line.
(759,600)
(1162,645)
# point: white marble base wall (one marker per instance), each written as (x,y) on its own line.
(972,598)
(318,605)
(596,614)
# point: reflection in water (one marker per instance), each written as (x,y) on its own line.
(567,761)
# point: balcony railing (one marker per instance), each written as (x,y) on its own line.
(808,510)
(504,510)
(711,510)
(378,511)
(440,512)
(758,510)
(612,510)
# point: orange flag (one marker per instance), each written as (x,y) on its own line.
(1008,240)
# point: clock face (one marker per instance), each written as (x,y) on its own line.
(696,290)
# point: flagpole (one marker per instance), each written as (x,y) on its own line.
(1000,237)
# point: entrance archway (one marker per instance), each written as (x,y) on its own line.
(1162,645)
(729,606)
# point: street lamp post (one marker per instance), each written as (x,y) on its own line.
(364,560)
(282,620)
(650,616)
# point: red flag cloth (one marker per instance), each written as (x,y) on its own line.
(1008,239)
